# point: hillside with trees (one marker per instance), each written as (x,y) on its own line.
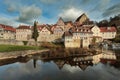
(112,21)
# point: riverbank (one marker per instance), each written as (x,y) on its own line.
(46,51)
(16,54)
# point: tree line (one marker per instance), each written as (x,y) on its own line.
(112,21)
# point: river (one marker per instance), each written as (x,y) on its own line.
(64,69)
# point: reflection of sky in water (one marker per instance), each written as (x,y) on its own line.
(50,71)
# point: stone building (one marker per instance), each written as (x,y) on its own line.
(7,32)
(23,33)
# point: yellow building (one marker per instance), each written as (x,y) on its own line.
(45,34)
(108,32)
(23,33)
(80,37)
(7,32)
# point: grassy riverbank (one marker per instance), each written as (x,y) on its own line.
(8,48)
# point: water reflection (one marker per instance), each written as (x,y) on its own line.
(72,68)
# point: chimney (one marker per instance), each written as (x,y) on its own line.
(108,28)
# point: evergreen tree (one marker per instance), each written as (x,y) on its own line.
(94,40)
(35,31)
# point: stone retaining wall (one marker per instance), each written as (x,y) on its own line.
(11,42)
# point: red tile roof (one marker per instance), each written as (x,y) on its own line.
(108,29)
(24,27)
(8,28)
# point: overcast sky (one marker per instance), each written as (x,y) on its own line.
(15,12)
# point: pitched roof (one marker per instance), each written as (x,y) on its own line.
(7,28)
(108,29)
(60,21)
(23,27)
(40,27)
(80,17)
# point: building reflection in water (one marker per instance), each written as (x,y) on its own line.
(81,62)
(14,60)
(84,62)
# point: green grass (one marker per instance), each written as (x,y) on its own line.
(8,48)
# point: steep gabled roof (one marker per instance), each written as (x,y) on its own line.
(80,17)
(60,22)
(45,26)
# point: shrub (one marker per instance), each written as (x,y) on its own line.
(25,42)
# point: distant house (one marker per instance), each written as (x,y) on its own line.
(81,36)
(70,42)
(23,33)
(45,33)
(96,34)
(59,29)
(60,23)
(7,32)
(108,32)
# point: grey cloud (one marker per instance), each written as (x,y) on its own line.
(49,1)
(29,13)
(101,5)
(8,21)
(69,14)
(112,10)
(12,5)
(12,8)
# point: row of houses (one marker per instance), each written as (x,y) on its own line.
(83,36)
(74,34)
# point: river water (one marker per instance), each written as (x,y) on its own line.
(36,69)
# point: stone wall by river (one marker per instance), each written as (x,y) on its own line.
(11,42)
